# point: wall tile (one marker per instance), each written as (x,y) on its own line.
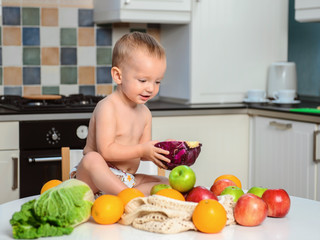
(68,17)
(68,37)
(31,90)
(12,56)
(12,90)
(12,36)
(12,76)
(86,75)
(104,75)
(50,56)
(86,56)
(31,75)
(50,75)
(69,89)
(0,76)
(49,16)
(86,36)
(68,56)
(50,36)
(104,89)
(31,56)
(104,56)
(30,16)
(68,75)
(87,90)
(0,56)
(104,36)
(11,16)
(31,36)
(86,17)
(50,90)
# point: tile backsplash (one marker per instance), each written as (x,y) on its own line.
(49,49)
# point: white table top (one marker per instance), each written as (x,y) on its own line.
(302,222)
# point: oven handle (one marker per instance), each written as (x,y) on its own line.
(15,173)
(44,159)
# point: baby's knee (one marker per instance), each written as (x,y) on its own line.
(91,159)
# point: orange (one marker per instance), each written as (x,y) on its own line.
(209,216)
(128,194)
(171,193)
(107,209)
(50,184)
(230,177)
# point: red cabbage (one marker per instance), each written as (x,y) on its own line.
(181,152)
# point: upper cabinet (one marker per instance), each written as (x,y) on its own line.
(307,10)
(142,11)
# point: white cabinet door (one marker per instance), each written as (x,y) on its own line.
(9,138)
(282,156)
(9,172)
(225,50)
(142,11)
(225,140)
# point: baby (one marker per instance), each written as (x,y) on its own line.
(120,127)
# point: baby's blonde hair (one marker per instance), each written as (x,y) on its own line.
(135,41)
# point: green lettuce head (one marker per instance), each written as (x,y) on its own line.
(56,212)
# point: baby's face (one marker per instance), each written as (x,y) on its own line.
(141,76)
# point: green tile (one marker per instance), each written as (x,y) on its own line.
(68,36)
(68,75)
(50,90)
(31,56)
(30,16)
(104,56)
(0,76)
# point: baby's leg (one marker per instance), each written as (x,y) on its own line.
(94,171)
(145,182)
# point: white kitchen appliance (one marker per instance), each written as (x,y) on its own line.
(281,75)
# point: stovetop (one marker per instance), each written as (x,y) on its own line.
(71,103)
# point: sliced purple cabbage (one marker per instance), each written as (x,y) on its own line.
(181,152)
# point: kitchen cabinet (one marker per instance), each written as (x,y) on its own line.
(282,156)
(307,10)
(224,141)
(142,11)
(9,161)
(224,51)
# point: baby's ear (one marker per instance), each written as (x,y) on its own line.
(116,75)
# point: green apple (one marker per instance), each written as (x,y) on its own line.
(182,178)
(258,191)
(234,191)
(156,188)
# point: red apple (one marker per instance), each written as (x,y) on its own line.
(220,185)
(278,202)
(250,210)
(199,193)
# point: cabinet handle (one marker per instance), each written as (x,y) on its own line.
(15,173)
(316,157)
(282,126)
(126,2)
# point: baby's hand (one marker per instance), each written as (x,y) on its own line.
(154,154)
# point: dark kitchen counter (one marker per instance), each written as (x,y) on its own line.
(165,108)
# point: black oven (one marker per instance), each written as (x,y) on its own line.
(40,150)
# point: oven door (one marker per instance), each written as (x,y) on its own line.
(36,168)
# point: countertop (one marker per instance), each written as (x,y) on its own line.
(300,223)
(166,108)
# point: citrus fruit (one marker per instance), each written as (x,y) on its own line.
(107,209)
(171,193)
(50,184)
(128,194)
(209,216)
(230,177)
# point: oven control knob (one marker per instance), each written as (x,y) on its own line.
(53,136)
(82,132)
